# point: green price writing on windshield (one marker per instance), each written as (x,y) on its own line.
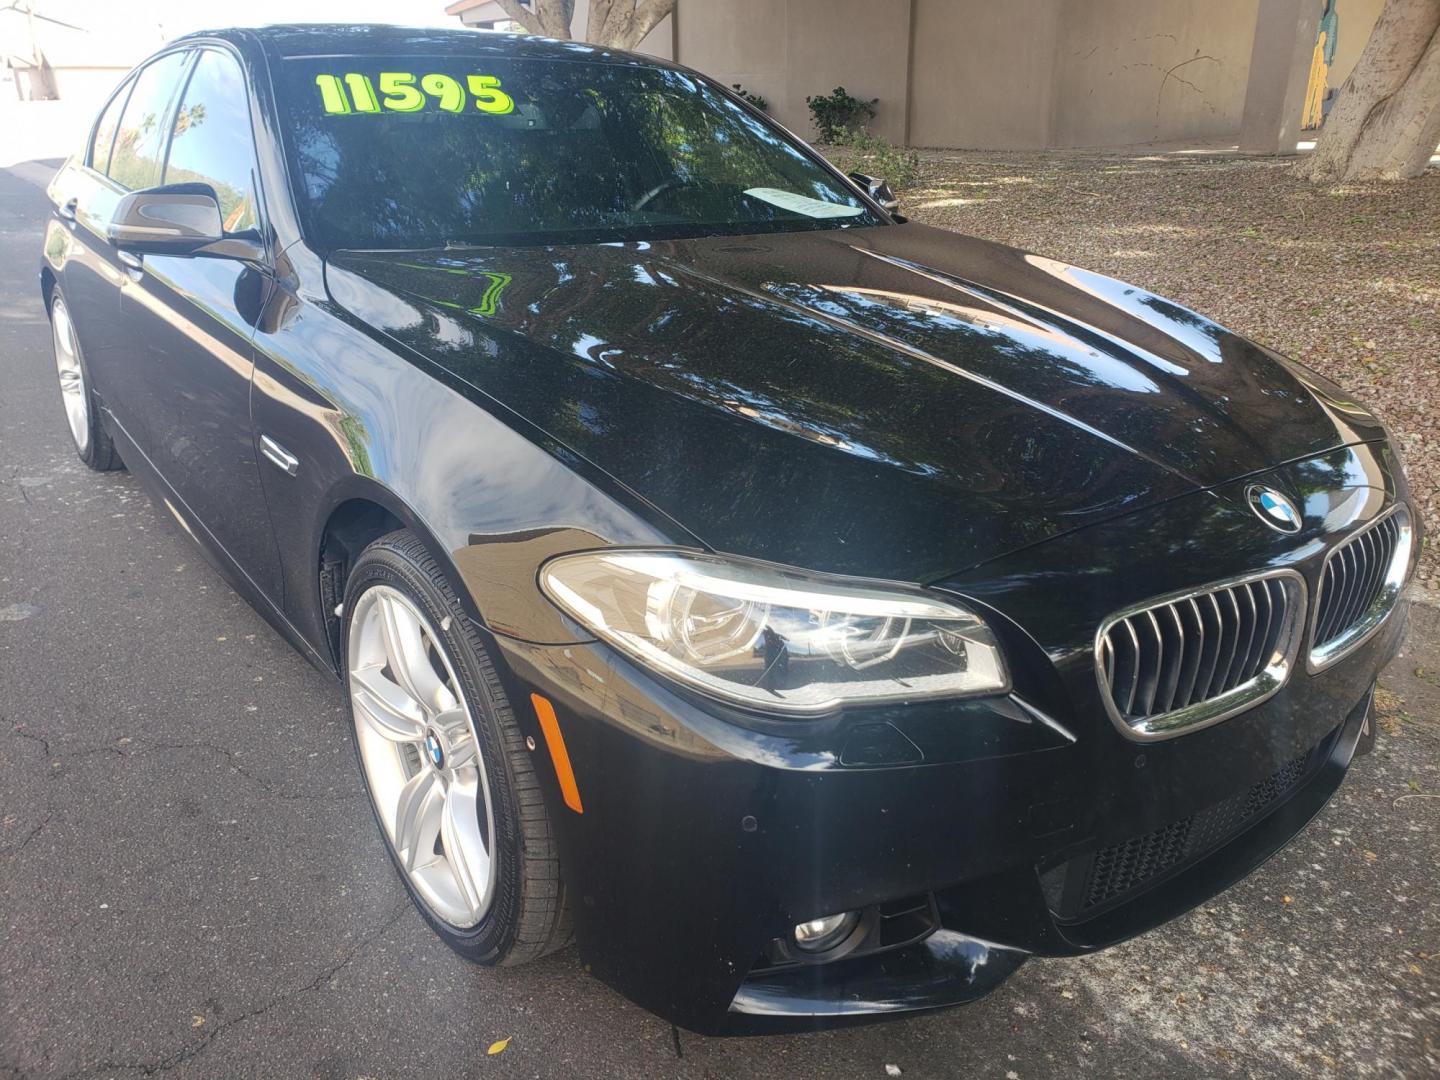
(402,91)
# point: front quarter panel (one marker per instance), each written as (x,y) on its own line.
(368,420)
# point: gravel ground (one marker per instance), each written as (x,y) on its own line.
(1345,279)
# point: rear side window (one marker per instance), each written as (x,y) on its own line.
(105,130)
(135,162)
(212,143)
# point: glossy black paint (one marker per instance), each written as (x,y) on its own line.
(893,401)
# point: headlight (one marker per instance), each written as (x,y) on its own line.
(774,638)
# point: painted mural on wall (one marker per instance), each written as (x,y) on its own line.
(1316,92)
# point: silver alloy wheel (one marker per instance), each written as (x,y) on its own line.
(72,377)
(421,756)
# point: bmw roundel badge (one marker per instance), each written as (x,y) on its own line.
(435,750)
(1273,508)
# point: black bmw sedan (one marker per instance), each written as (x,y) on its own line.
(812,613)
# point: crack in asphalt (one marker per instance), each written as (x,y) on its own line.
(144,747)
(55,756)
(48,816)
(157,1066)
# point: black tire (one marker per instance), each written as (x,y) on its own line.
(528,916)
(99,451)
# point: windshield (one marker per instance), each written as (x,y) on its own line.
(415,151)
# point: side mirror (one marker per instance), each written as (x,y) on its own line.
(878,190)
(177,219)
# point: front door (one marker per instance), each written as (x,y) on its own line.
(190,322)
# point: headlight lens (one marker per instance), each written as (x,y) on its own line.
(774,638)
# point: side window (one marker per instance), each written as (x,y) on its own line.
(99,157)
(135,162)
(212,143)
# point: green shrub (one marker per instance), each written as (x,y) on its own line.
(873,156)
(754,99)
(838,115)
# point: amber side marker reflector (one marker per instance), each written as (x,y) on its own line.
(550,726)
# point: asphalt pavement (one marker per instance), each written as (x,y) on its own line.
(192,884)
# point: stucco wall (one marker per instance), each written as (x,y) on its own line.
(1134,72)
(982,73)
(89,84)
(789,49)
(976,73)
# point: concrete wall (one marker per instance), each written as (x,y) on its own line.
(91,85)
(741,41)
(1134,72)
(786,50)
(976,73)
(1018,74)
(982,73)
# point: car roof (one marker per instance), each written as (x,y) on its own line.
(357,39)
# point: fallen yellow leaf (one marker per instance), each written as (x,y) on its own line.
(499,1047)
(196,1020)
(1287,899)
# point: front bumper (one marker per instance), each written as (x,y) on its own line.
(706,834)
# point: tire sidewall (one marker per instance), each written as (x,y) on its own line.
(383,564)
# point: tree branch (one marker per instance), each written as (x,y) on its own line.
(648,14)
(600,14)
(623,24)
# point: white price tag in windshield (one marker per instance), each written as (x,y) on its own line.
(803,204)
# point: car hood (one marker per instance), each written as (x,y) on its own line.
(896,401)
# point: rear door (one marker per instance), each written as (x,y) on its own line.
(190,321)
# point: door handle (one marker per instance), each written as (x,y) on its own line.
(278,456)
(131,261)
(67,209)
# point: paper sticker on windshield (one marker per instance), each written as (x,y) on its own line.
(403,91)
(803,204)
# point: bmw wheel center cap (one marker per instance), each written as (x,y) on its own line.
(1273,508)
(434,750)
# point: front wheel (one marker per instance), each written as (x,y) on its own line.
(447,769)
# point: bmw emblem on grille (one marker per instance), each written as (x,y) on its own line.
(432,747)
(1273,508)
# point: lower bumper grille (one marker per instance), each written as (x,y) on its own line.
(1091,884)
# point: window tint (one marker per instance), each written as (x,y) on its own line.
(212,142)
(417,151)
(105,130)
(135,162)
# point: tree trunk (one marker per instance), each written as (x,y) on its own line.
(623,24)
(1386,121)
(549,18)
(618,24)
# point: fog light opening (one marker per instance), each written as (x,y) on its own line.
(826,932)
